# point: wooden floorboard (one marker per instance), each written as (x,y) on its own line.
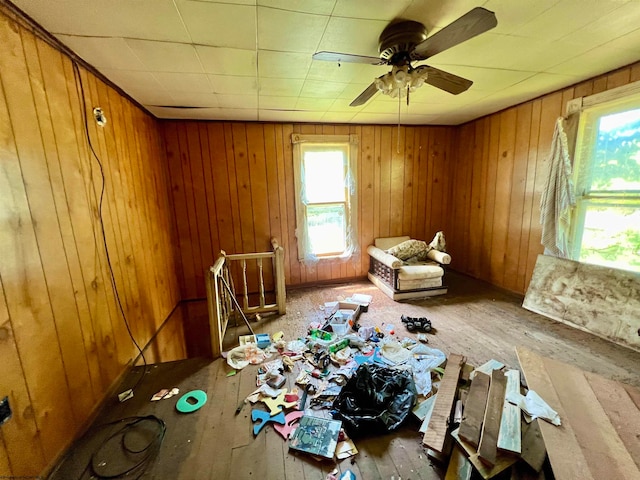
(473,319)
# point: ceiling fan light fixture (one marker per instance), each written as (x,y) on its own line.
(401,80)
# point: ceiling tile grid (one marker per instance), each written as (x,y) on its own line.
(252,59)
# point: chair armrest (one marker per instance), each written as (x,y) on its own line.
(438,256)
(384,258)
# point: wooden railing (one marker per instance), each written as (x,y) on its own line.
(221,293)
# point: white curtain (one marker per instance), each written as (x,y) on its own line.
(558,196)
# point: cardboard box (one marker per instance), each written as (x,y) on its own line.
(350,310)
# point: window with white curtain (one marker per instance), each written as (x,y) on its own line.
(324,169)
(606,219)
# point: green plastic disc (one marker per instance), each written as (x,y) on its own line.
(184,406)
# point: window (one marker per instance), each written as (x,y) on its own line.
(606,226)
(325,172)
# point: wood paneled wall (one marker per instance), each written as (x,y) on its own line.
(63,341)
(232,187)
(501,163)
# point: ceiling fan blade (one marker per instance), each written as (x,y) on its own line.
(346,58)
(472,23)
(364,97)
(444,80)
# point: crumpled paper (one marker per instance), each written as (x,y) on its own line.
(534,406)
(395,352)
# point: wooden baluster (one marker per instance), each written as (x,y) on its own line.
(261,281)
(278,270)
(246,288)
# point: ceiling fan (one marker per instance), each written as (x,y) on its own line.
(405,41)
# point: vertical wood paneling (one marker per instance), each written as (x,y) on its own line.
(505,172)
(256,201)
(63,342)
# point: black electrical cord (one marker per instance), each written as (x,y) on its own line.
(83,105)
(135,460)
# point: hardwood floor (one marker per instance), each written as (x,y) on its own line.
(474,319)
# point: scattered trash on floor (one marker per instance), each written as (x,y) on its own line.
(165,393)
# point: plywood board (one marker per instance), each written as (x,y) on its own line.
(510,435)
(600,300)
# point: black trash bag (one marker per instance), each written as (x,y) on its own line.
(375,399)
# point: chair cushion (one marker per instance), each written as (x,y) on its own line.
(419,284)
(409,249)
(420,272)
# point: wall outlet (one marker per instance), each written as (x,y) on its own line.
(5,410)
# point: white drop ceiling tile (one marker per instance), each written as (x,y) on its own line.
(283,64)
(235,2)
(289,116)
(371,9)
(280,87)
(166,56)
(150,97)
(487,79)
(375,118)
(231,85)
(187,82)
(191,99)
(337,117)
(132,81)
(227,61)
(314,104)
(238,101)
(537,85)
(454,118)
(320,7)
(513,15)
(566,17)
(150,19)
(277,103)
(377,105)
(345,73)
(220,24)
(287,31)
(104,52)
(352,35)
(425,119)
(617,23)
(630,41)
(431,95)
(595,62)
(317,88)
(479,51)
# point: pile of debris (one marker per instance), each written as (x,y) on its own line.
(348,377)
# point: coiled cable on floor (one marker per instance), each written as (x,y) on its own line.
(129,450)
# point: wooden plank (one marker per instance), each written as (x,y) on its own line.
(533,452)
(510,434)
(503,461)
(460,467)
(605,452)
(487,448)
(565,454)
(426,409)
(435,435)
(471,425)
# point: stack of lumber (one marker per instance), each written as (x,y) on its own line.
(491,437)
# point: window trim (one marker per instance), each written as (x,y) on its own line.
(351,203)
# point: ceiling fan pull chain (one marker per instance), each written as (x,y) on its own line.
(399,104)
